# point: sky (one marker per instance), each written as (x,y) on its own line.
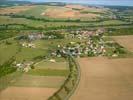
(97,2)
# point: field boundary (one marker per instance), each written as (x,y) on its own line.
(71,83)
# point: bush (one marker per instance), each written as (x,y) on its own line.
(7,68)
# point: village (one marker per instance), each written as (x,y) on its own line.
(66,49)
(91,44)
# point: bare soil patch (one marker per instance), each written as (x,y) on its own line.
(105,79)
(26,93)
(125,41)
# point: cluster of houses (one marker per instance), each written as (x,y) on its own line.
(36,36)
(28,45)
(94,46)
(27,39)
(84,34)
(24,66)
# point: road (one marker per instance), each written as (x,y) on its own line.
(105,79)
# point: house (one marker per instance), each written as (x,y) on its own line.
(25,66)
(35,36)
(28,45)
(52,60)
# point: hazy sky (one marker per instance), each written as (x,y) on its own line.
(100,2)
(103,2)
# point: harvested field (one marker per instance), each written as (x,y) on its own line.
(105,79)
(68,12)
(125,41)
(60,12)
(85,8)
(26,93)
(15,9)
(75,6)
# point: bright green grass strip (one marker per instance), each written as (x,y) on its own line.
(49,72)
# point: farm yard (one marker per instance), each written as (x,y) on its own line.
(44,46)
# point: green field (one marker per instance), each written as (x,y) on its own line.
(118,32)
(7,51)
(35,23)
(39,81)
(29,54)
(49,65)
(48,72)
(36,11)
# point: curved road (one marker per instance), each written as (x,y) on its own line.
(105,79)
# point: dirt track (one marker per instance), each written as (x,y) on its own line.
(105,79)
(26,93)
